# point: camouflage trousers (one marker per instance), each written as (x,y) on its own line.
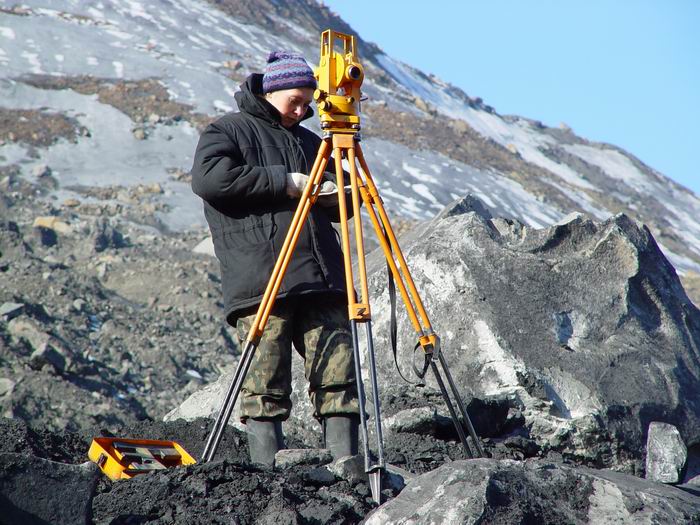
(318,327)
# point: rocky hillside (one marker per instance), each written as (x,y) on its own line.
(129,108)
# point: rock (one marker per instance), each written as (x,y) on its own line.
(421,420)
(467,204)
(47,355)
(61,493)
(320,476)
(205,247)
(6,386)
(521,325)
(104,235)
(45,236)
(52,223)
(519,320)
(421,104)
(506,491)
(153,188)
(139,134)
(41,170)
(46,349)
(232,64)
(293,457)
(79,304)
(666,453)
(459,126)
(10,310)
(29,331)
(206,402)
(71,203)
(350,468)
(397,478)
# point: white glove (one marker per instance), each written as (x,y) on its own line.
(328,196)
(296,182)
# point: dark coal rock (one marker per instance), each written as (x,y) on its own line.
(223,491)
(229,488)
(35,491)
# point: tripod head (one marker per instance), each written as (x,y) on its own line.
(339,77)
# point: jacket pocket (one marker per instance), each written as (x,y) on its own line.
(246,232)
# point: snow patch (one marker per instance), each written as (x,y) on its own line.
(7,32)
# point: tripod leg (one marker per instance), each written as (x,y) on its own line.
(460,404)
(229,402)
(451,408)
(375,473)
(410,296)
(360,392)
(359,310)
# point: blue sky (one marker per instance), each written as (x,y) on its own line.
(626,72)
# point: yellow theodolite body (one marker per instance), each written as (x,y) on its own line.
(339,77)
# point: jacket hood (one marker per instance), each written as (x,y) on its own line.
(250,99)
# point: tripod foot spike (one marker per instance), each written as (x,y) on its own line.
(375,484)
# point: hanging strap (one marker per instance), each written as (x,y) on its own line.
(393,331)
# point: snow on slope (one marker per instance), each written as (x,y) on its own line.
(184,44)
(681,205)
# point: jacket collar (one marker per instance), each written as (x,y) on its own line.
(250,100)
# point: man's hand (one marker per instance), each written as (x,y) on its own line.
(328,196)
(295,184)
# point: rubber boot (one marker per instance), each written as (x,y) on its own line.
(340,435)
(264,440)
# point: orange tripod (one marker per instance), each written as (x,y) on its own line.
(340,123)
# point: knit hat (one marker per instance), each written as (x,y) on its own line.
(287,70)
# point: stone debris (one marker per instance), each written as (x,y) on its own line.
(9,311)
(666,453)
(205,247)
(416,420)
(291,457)
(53,223)
(141,310)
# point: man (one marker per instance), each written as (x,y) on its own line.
(250,168)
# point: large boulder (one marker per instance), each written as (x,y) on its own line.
(583,326)
(506,491)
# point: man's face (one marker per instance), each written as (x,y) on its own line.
(291,103)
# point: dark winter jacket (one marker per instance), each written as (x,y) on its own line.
(240,171)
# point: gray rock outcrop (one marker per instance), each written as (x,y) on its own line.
(583,326)
(491,491)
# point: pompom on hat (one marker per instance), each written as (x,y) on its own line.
(287,70)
